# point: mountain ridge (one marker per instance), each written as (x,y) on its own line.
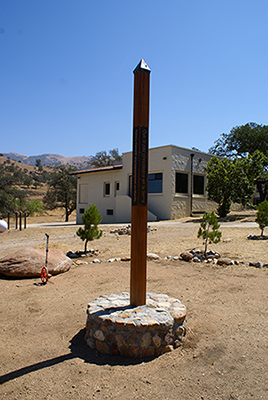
(49,159)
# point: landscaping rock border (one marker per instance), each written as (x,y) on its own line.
(194,255)
(257,237)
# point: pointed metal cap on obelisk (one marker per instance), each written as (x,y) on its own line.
(142,66)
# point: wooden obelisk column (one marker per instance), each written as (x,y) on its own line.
(139,184)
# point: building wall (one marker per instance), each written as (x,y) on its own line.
(181,202)
(91,189)
(159,161)
(167,160)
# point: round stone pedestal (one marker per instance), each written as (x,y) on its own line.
(115,327)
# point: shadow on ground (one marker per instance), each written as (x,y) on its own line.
(242,217)
(78,349)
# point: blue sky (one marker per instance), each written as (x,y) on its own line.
(66,81)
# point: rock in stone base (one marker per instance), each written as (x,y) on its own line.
(28,263)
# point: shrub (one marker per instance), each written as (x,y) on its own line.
(91,218)
(262,215)
(35,207)
(209,229)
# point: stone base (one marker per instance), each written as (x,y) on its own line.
(115,327)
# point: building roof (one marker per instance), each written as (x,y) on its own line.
(193,150)
(98,169)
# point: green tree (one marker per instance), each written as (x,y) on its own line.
(91,218)
(103,159)
(209,230)
(242,140)
(262,215)
(38,164)
(11,196)
(62,190)
(19,175)
(35,207)
(27,180)
(247,169)
(232,180)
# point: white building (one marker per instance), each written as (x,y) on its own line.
(176,186)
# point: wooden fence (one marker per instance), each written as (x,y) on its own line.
(17,217)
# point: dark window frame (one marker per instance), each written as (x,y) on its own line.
(198,184)
(182,183)
(107,189)
(155,183)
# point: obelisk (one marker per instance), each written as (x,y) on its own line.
(139,184)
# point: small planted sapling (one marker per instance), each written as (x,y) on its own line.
(91,218)
(262,215)
(209,230)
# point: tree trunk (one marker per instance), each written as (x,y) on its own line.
(206,247)
(86,246)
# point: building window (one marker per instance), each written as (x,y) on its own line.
(181,183)
(106,188)
(81,210)
(116,187)
(155,182)
(199,184)
(109,212)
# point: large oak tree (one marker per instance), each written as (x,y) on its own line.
(62,190)
(232,180)
(242,140)
(103,159)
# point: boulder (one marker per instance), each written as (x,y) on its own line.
(152,256)
(28,263)
(186,256)
(256,264)
(225,261)
(126,259)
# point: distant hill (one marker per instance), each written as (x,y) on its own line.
(50,159)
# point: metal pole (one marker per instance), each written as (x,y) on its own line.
(47,236)
(192,186)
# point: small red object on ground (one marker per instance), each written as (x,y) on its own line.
(44,272)
(44,275)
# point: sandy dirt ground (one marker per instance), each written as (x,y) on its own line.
(224,356)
